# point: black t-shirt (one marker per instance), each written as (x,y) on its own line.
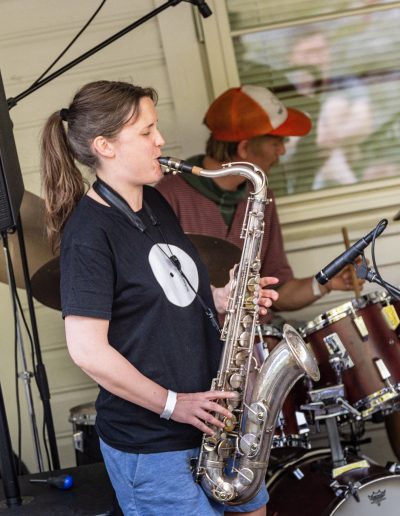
(111,270)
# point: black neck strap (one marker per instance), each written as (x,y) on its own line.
(114,199)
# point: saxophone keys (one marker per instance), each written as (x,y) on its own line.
(225,448)
(230,423)
(210,443)
(249,445)
(224,492)
(253,284)
(241,357)
(257,412)
(236,381)
(244,339)
(246,476)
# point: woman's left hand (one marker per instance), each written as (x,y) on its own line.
(265,299)
(267,295)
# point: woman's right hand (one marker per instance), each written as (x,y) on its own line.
(196,409)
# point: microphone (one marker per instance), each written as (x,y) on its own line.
(205,11)
(349,255)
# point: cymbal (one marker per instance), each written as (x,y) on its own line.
(46,284)
(38,249)
(218,255)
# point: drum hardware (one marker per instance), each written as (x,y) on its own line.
(330,401)
(84,437)
(345,490)
(343,403)
(393,467)
(299,439)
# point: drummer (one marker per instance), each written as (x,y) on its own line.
(251,124)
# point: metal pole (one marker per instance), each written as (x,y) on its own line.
(25,375)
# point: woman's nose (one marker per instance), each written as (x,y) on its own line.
(159,139)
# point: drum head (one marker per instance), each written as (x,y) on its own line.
(377,496)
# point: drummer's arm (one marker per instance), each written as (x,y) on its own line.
(297,293)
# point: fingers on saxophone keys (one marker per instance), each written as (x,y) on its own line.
(268,280)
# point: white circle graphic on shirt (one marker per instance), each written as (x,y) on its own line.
(175,287)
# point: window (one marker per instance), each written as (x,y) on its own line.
(338,61)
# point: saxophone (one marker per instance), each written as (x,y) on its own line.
(233,462)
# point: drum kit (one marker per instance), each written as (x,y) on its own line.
(357,347)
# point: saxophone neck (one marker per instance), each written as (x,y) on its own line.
(254,174)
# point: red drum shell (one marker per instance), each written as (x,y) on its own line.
(312,494)
(362,381)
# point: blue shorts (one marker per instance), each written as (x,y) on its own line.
(162,484)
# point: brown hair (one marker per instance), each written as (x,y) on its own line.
(221,151)
(98,108)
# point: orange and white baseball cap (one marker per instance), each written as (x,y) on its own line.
(249,111)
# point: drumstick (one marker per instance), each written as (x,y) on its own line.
(356,286)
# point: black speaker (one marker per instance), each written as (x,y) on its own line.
(11,183)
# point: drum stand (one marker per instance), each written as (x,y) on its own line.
(327,404)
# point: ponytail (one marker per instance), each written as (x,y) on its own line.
(62,182)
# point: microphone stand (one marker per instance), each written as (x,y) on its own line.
(12,101)
(369,274)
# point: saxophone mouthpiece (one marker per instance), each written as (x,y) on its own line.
(175,165)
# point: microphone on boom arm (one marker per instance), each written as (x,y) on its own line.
(350,254)
(205,11)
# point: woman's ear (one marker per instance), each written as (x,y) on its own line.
(242,150)
(103,147)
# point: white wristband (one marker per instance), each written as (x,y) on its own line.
(315,288)
(169,405)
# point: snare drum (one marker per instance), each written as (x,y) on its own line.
(356,339)
(86,440)
(303,487)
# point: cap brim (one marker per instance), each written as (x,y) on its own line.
(296,124)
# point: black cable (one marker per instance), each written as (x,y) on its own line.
(386,285)
(46,448)
(373,253)
(17,398)
(70,44)
(33,355)
(375,276)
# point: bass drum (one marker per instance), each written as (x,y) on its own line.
(302,487)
